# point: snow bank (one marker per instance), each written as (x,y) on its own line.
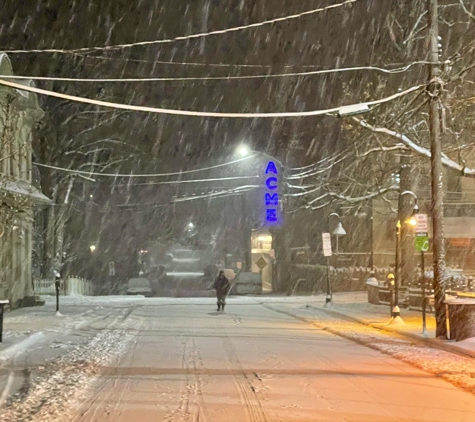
(458,370)
(20,347)
(63,382)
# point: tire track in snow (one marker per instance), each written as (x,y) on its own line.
(101,395)
(247,391)
(61,385)
(188,409)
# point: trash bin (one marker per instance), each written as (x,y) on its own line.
(372,287)
(461,314)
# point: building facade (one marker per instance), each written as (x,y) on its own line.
(19,113)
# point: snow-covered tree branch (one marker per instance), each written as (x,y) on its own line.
(464,171)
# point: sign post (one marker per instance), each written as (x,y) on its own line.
(422,246)
(327,252)
(57,285)
(2,311)
(261,263)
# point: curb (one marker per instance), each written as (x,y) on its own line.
(433,343)
(20,347)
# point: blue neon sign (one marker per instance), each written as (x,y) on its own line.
(271,195)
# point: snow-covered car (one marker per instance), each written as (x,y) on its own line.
(139,286)
(247,283)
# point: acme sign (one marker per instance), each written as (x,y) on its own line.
(271,195)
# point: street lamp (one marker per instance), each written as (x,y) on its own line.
(411,221)
(92,248)
(339,231)
(352,110)
(243,150)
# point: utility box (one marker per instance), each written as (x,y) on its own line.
(247,284)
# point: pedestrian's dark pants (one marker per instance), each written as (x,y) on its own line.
(221,299)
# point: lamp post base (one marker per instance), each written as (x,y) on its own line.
(328,301)
(396,317)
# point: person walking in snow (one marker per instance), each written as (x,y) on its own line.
(221,285)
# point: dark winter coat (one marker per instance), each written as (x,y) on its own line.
(221,284)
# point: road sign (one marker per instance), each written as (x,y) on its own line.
(422,225)
(422,242)
(327,244)
(261,263)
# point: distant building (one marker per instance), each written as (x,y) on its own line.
(19,112)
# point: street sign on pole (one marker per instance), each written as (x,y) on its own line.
(261,263)
(327,244)
(422,225)
(422,242)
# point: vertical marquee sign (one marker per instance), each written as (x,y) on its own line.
(272,197)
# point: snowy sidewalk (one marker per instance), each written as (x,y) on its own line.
(356,307)
(24,327)
(346,320)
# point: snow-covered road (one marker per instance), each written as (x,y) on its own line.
(177,360)
(189,363)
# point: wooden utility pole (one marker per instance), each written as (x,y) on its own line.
(434,91)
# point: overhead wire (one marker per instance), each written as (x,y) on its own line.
(239,189)
(177,173)
(330,162)
(189,113)
(225,65)
(227,192)
(174,182)
(186,37)
(216,78)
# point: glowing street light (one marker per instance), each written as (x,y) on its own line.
(92,248)
(243,150)
(339,230)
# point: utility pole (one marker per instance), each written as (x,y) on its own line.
(434,91)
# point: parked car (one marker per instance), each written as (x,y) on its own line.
(139,286)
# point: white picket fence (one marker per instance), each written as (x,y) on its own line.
(71,286)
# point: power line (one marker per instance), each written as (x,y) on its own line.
(186,37)
(216,78)
(330,162)
(227,192)
(220,194)
(173,63)
(89,173)
(190,113)
(174,182)
(219,65)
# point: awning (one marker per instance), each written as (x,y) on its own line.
(20,187)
